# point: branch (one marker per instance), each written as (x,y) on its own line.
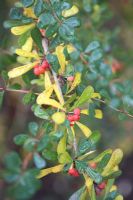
(113,108)
(45,47)
(18,91)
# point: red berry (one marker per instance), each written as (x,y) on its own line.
(93,165)
(41,70)
(36,66)
(70,78)
(102,185)
(117,66)
(70,118)
(77,111)
(76,117)
(36,71)
(71,124)
(73,172)
(45,65)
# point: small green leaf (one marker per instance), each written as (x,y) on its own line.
(45,20)
(27,3)
(43,143)
(103,162)
(94,175)
(15,13)
(12,161)
(23,38)
(53,60)
(51,30)
(36,36)
(41,113)
(20,139)
(49,155)
(72,22)
(39,7)
(85,97)
(66,33)
(39,161)
(95,55)
(92,46)
(33,128)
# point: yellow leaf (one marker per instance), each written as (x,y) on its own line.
(61,58)
(119,197)
(19,30)
(113,188)
(23,60)
(73,132)
(50,170)
(76,81)
(61,148)
(64,158)
(96,95)
(47,80)
(98,114)
(18,71)
(89,184)
(29,12)
(49,102)
(46,94)
(27,54)
(70,48)
(59,117)
(70,12)
(58,94)
(115,159)
(85,112)
(87,132)
(28,45)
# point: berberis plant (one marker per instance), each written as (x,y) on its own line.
(55,66)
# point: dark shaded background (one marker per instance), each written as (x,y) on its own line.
(14,116)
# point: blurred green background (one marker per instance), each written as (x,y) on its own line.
(14,116)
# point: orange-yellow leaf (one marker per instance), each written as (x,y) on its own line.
(50,170)
(70,12)
(19,30)
(47,80)
(44,95)
(87,132)
(26,54)
(29,12)
(70,48)
(96,95)
(58,94)
(98,114)
(61,148)
(28,45)
(18,71)
(61,58)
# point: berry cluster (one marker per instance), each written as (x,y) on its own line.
(73,172)
(41,68)
(74,117)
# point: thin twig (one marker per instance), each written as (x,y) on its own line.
(18,91)
(54,14)
(113,108)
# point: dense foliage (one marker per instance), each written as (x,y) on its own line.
(67,83)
